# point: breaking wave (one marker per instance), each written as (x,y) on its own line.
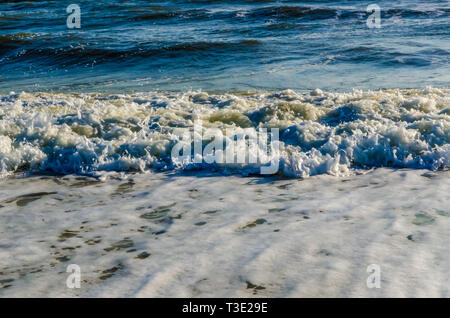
(320,132)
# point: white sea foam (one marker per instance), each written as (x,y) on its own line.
(320,132)
(207,235)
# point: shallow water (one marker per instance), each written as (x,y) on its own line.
(206,235)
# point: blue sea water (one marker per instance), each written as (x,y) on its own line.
(110,95)
(223,45)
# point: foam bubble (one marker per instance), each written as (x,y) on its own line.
(320,132)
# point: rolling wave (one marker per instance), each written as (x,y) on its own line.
(320,132)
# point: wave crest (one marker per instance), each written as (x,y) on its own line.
(320,132)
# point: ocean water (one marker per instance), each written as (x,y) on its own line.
(319,132)
(90,117)
(109,95)
(223,45)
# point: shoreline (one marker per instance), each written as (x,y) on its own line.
(156,235)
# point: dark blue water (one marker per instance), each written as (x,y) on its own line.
(223,45)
